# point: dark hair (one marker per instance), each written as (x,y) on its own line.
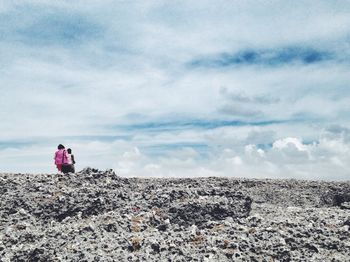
(60,146)
(69,151)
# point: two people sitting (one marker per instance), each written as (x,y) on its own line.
(64,160)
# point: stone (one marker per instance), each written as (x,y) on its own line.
(96,215)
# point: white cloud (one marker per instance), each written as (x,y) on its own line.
(289,142)
(254,152)
(287,158)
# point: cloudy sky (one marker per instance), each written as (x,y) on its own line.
(177,88)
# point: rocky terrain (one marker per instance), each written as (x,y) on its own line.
(98,216)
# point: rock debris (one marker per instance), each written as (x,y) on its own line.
(96,215)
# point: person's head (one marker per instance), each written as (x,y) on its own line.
(69,151)
(60,146)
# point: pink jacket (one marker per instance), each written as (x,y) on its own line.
(62,153)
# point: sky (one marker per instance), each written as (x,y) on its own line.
(257,89)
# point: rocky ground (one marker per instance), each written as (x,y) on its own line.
(98,216)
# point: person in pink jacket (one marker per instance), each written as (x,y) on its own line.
(61,157)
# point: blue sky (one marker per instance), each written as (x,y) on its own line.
(187,88)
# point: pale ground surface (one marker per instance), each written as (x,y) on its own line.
(98,216)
